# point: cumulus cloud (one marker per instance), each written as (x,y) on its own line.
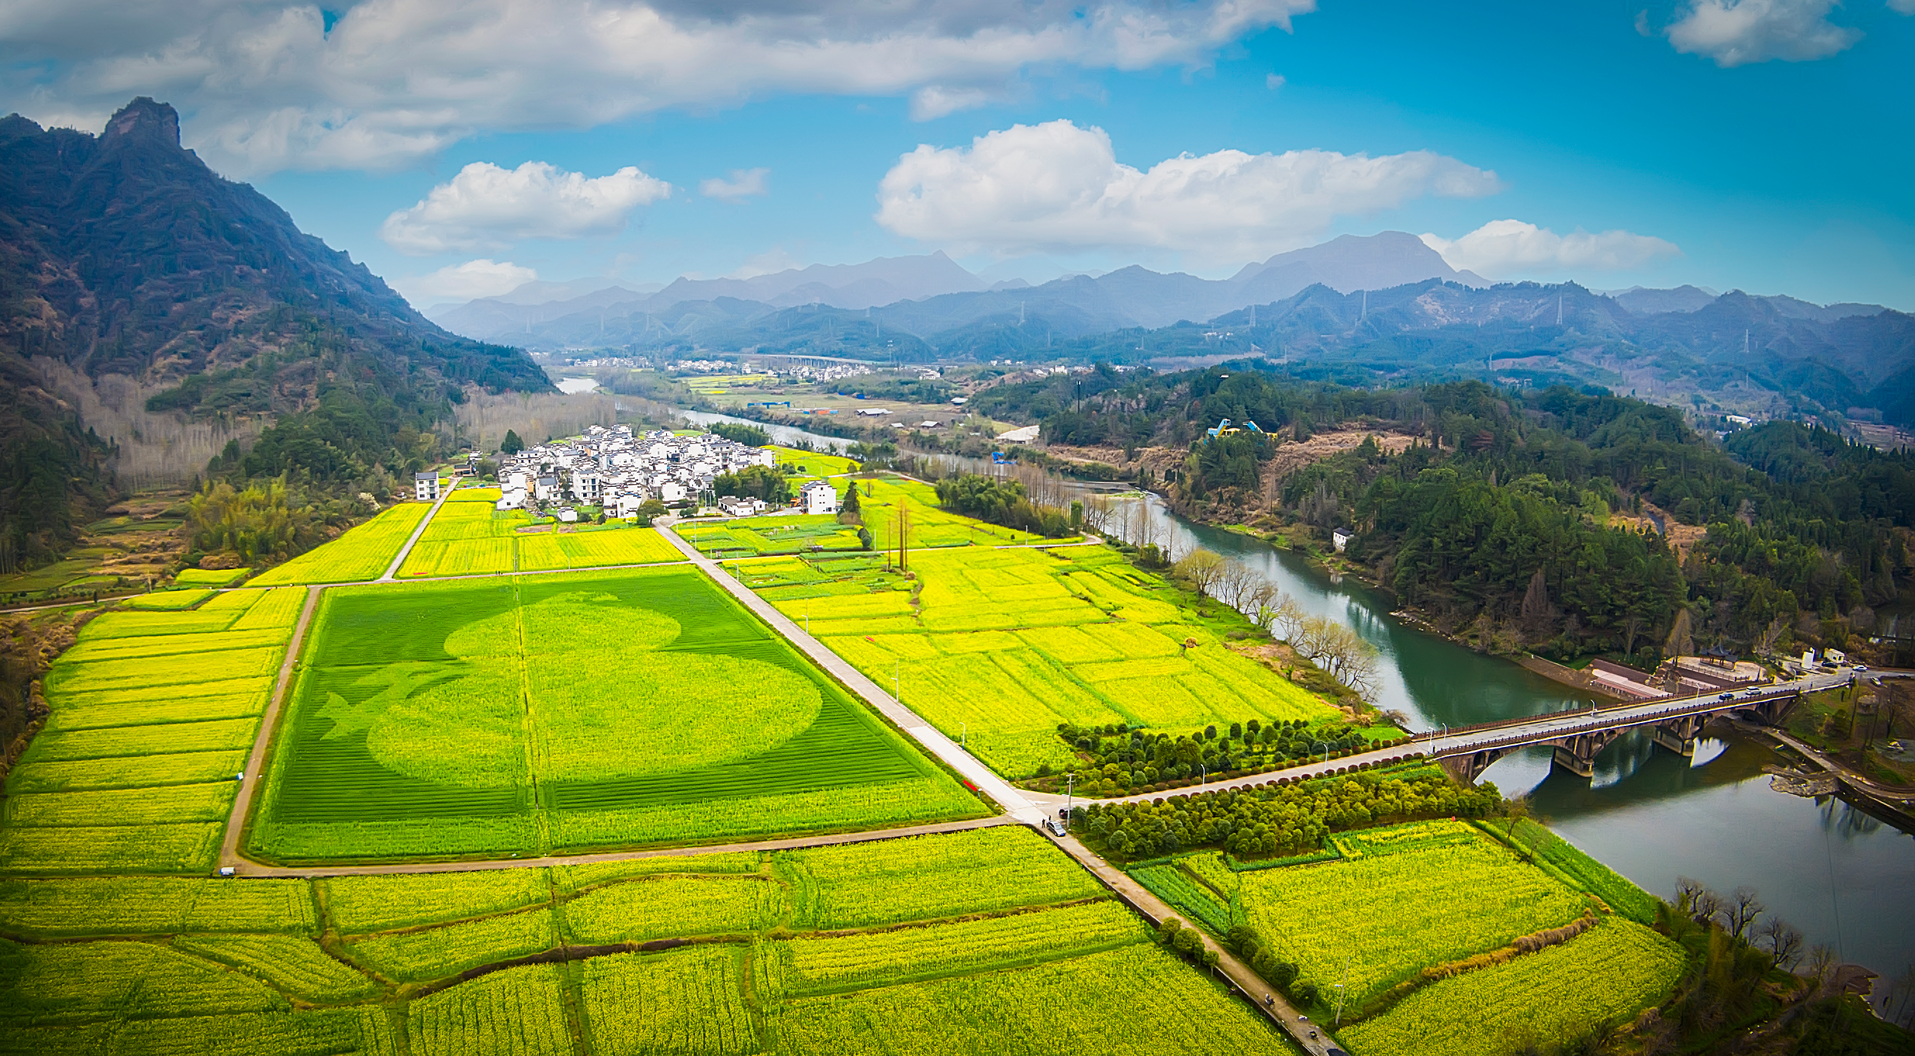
(487,207)
(1056,186)
(1737,32)
(743,184)
(1506,248)
(465,282)
(266,85)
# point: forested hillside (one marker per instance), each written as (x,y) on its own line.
(124,255)
(1568,522)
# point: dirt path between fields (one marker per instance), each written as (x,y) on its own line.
(1240,975)
(251,869)
(256,759)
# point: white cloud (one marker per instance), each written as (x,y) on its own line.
(770,262)
(465,282)
(1736,32)
(1902,7)
(743,184)
(1507,248)
(1058,187)
(487,207)
(265,86)
(935,100)
(1276,80)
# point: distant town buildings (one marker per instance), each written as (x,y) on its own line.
(618,469)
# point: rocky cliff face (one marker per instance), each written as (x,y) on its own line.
(123,254)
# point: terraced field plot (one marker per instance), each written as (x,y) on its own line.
(1009,643)
(1551,997)
(760,536)
(1389,904)
(363,553)
(469,537)
(152,713)
(811,464)
(527,714)
(999,941)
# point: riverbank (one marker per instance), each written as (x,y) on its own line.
(1894,805)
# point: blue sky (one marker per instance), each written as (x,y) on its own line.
(1756,144)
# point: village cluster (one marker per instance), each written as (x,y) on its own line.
(618,470)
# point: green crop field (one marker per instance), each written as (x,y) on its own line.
(1388,904)
(1532,1003)
(360,554)
(1003,645)
(762,536)
(468,537)
(1003,944)
(570,711)
(614,544)
(806,464)
(168,600)
(208,577)
(151,716)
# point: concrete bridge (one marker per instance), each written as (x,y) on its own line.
(1577,736)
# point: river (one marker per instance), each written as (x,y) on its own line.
(1843,877)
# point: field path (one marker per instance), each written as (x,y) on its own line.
(1241,975)
(404,551)
(826,839)
(256,759)
(907,720)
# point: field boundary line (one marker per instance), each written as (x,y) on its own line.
(250,868)
(1240,975)
(968,767)
(262,741)
(406,550)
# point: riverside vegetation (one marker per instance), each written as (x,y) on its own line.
(1567,522)
(519,714)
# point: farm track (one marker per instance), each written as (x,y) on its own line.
(254,869)
(262,741)
(1018,808)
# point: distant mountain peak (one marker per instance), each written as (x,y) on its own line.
(146,120)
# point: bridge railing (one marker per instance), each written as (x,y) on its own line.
(1627,715)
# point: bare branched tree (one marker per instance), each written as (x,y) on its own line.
(1782,940)
(1740,909)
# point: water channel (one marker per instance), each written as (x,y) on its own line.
(1844,877)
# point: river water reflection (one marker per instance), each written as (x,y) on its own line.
(1844,877)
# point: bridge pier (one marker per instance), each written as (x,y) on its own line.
(1577,752)
(1679,735)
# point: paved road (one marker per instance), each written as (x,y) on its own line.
(1541,727)
(1241,975)
(938,744)
(393,569)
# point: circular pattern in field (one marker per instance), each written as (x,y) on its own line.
(659,712)
(588,678)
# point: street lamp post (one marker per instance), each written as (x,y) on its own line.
(895,670)
(964,736)
(1070,789)
(1325,745)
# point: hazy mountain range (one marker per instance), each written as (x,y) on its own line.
(952,296)
(1370,309)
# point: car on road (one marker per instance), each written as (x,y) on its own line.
(1057,828)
